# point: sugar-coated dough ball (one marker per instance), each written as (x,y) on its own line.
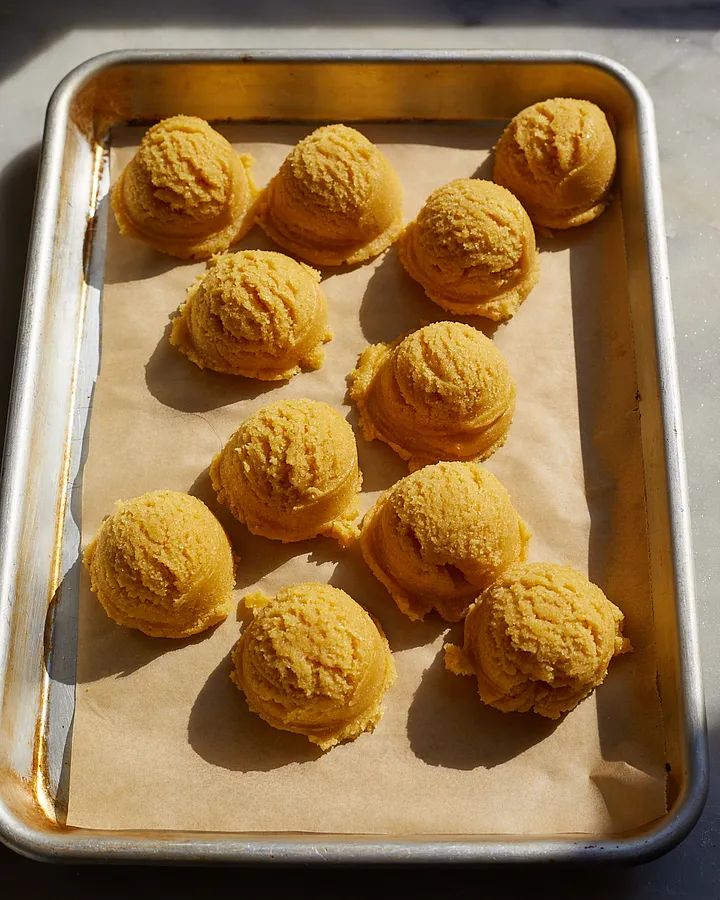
(254,313)
(186,192)
(540,638)
(336,199)
(558,158)
(472,248)
(312,661)
(442,393)
(438,537)
(290,472)
(162,563)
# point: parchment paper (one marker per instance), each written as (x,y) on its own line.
(162,739)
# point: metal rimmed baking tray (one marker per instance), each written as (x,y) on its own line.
(57,362)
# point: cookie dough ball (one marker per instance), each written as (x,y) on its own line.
(540,638)
(254,313)
(312,661)
(162,563)
(186,192)
(442,393)
(472,248)
(290,472)
(439,537)
(558,157)
(335,200)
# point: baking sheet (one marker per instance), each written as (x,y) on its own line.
(161,737)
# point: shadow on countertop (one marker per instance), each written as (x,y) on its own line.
(30,28)
(17,189)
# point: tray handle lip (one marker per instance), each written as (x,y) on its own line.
(91,67)
(64,844)
(84,846)
(691,804)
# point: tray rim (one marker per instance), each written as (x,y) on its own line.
(85,845)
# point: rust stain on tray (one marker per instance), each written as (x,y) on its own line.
(42,782)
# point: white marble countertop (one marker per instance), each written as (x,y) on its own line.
(674,47)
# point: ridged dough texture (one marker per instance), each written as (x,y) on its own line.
(312,661)
(443,392)
(540,638)
(558,158)
(439,537)
(290,472)
(186,192)
(254,313)
(472,248)
(336,199)
(162,563)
